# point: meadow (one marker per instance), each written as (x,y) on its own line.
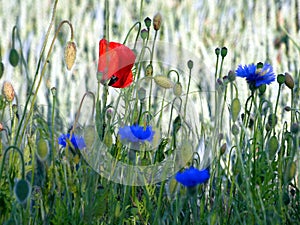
(149,112)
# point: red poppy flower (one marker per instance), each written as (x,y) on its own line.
(115,63)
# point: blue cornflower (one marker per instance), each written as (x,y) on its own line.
(192,177)
(136,133)
(256,75)
(77,142)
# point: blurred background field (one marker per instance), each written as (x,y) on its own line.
(249,29)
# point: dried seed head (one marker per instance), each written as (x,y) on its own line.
(177,89)
(8,91)
(157,21)
(70,54)
(289,81)
(163,82)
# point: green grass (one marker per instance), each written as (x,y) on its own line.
(253,163)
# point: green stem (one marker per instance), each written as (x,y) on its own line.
(137,35)
(157,214)
(21,157)
(187,92)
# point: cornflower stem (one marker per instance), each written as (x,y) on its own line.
(37,69)
(43,72)
(13,147)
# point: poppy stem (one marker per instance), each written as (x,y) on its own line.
(137,35)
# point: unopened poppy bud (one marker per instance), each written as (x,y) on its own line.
(272,120)
(235,129)
(1,69)
(149,70)
(177,89)
(142,94)
(217,51)
(22,190)
(53,91)
(272,147)
(231,76)
(289,81)
(290,172)
(70,54)
(190,64)
(223,52)
(147,22)
(280,79)
(8,91)
(259,65)
(163,82)
(144,34)
(235,108)
(42,150)
(157,21)
(14,57)
(223,148)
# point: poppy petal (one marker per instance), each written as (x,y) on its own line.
(116,60)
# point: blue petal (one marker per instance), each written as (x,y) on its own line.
(136,133)
(192,177)
(77,142)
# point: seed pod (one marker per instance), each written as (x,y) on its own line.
(8,91)
(280,78)
(144,34)
(235,129)
(289,81)
(190,64)
(157,21)
(70,54)
(223,52)
(290,172)
(22,190)
(13,57)
(177,89)
(147,22)
(163,82)
(235,108)
(223,148)
(141,94)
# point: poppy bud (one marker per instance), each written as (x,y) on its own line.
(223,52)
(70,54)
(290,172)
(177,89)
(235,129)
(8,91)
(1,69)
(142,94)
(144,34)
(42,150)
(272,120)
(231,76)
(149,70)
(259,65)
(223,148)
(22,190)
(217,51)
(287,108)
(190,64)
(14,57)
(235,108)
(272,147)
(163,82)
(147,22)
(289,81)
(53,91)
(157,21)
(280,79)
